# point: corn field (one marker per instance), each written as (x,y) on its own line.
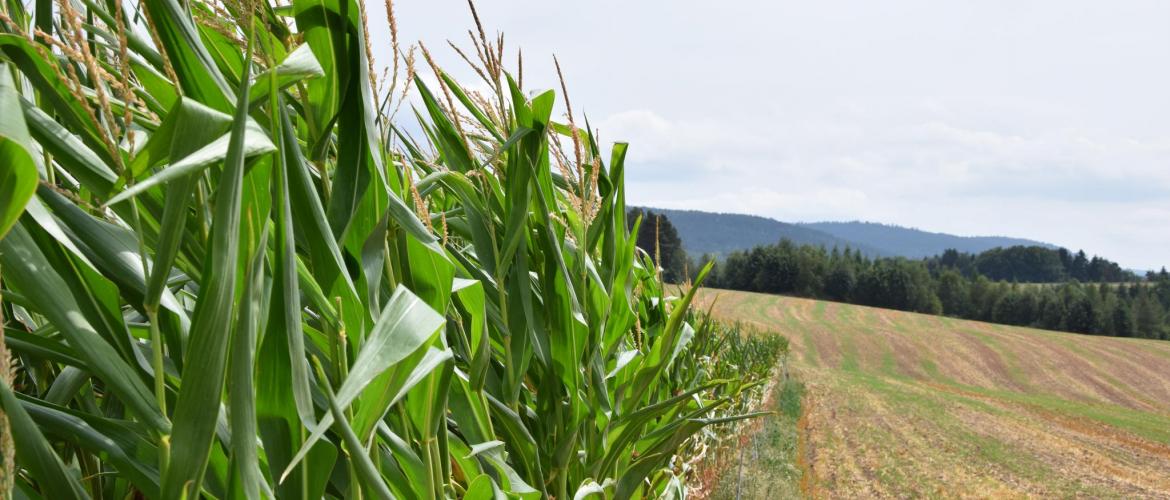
(228,271)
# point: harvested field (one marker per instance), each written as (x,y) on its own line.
(901,404)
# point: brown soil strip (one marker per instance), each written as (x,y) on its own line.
(856,440)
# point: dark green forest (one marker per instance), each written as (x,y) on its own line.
(1024,286)
(1032,264)
(659,239)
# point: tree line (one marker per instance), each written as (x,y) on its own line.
(659,239)
(1033,264)
(1034,286)
(980,287)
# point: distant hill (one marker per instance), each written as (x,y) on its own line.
(720,234)
(913,243)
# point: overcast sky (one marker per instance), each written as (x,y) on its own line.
(1045,119)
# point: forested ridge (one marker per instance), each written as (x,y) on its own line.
(1033,285)
(1033,264)
(723,233)
(898,241)
(1068,291)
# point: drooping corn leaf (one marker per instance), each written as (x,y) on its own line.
(18,174)
(35,453)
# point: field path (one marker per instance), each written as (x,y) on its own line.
(909,405)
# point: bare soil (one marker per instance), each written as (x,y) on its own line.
(907,405)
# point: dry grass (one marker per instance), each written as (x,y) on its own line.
(902,404)
(764,463)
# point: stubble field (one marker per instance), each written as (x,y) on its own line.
(901,404)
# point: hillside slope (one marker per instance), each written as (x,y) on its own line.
(902,404)
(914,243)
(720,234)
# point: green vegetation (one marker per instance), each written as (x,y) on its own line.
(954,284)
(228,272)
(1032,264)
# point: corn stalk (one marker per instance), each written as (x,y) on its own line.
(229,272)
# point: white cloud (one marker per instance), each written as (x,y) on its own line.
(1046,119)
(1095,191)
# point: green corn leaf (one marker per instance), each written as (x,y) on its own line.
(299,65)
(197,406)
(245,473)
(491,331)
(35,453)
(414,471)
(403,331)
(406,324)
(121,441)
(359,457)
(81,161)
(588,489)
(66,385)
(18,174)
(297,201)
(51,225)
(198,74)
(26,267)
(54,92)
(253,142)
(40,347)
(449,140)
(188,127)
(474,303)
(112,249)
(374,404)
(481,488)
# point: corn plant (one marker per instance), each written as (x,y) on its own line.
(733,349)
(228,271)
(725,351)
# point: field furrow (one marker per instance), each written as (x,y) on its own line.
(907,405)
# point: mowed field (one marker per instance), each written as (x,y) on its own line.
(901,404)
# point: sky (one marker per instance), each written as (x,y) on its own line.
(1043,119)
